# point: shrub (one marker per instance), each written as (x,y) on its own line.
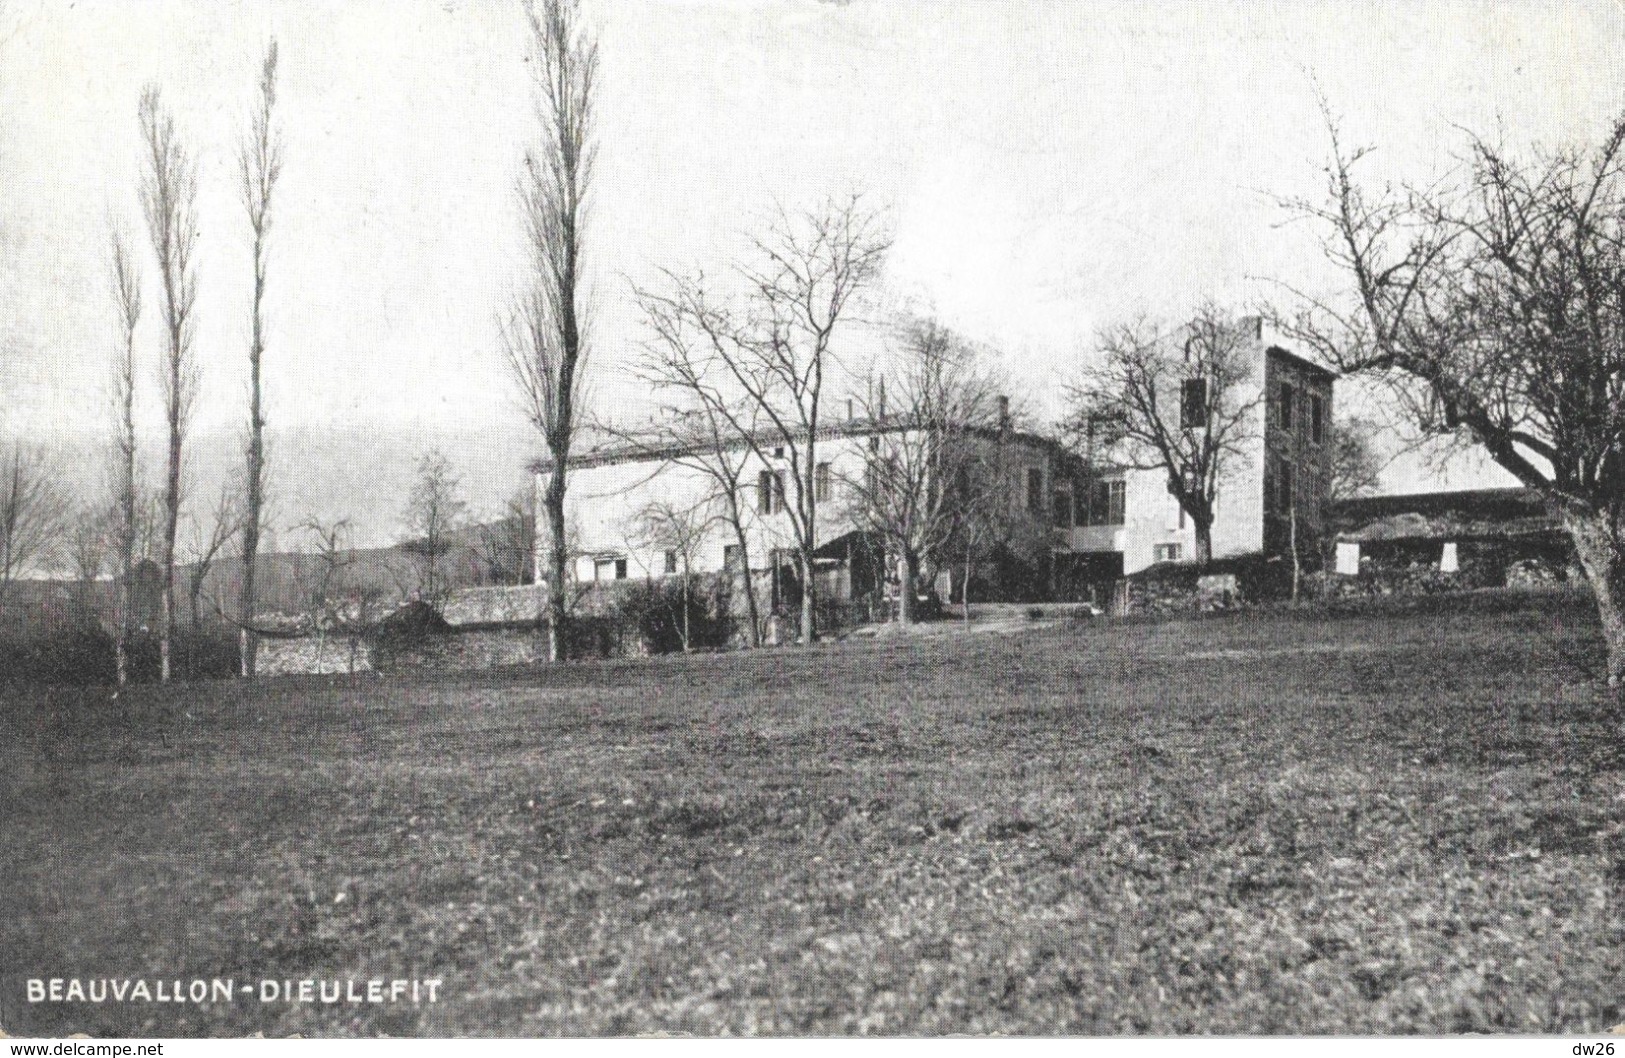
(649,615)
(84,654)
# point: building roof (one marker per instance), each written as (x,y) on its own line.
(1469,514)
(629,449)
(1299,362)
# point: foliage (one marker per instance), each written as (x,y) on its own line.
(664,617)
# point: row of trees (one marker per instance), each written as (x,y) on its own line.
(1489,306)
(168,191)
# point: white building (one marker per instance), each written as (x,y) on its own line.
(1094,525)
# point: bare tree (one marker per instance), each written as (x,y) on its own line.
(169,197)
(697,425)
(434,511)
(1354,466)
(509,543)
(919,468)
(1180,400)
(546,337)
(34,514)
(678,530)
(261,165)
(1493,307)
(323,581)
(210,539)
(127,299)
(778,353)
(89,532)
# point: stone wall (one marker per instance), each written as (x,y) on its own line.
(509,605)
(308,655)
(465,651)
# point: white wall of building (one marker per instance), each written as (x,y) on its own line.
(605,505)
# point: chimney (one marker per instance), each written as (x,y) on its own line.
(882,400)
(851,410)
(1004,412)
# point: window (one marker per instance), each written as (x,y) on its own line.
(1035,490)
(823,483)
(671,561)
(770,491)
(609,569)
(732,558)
(620,569)
(1193,404)
(1106,503)
(1317,422)
(1284,415)
(1166,552)
(778,453)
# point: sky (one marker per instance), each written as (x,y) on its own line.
(1047,168)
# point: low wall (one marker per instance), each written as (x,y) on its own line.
(308,655)
(462,651)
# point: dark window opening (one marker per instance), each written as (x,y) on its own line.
(823,483)
(671,561)
(1285,405)
(1106,503)
(764,492)
(1317,424)
(1193,404)
(770,491)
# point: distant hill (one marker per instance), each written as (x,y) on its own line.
(477,555)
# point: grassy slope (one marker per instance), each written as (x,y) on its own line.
(1260,824)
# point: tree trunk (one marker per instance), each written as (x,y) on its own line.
(126,587)
(166,622)
(809,610)
(905,588)
(121,645)
(1204,540)
(248,644)
(687,642)
(964,588)
(1599,542)
(752,611)
(172,520)
(1292,545)
(556,615)
(254,498)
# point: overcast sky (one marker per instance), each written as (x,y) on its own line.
(1048,167)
